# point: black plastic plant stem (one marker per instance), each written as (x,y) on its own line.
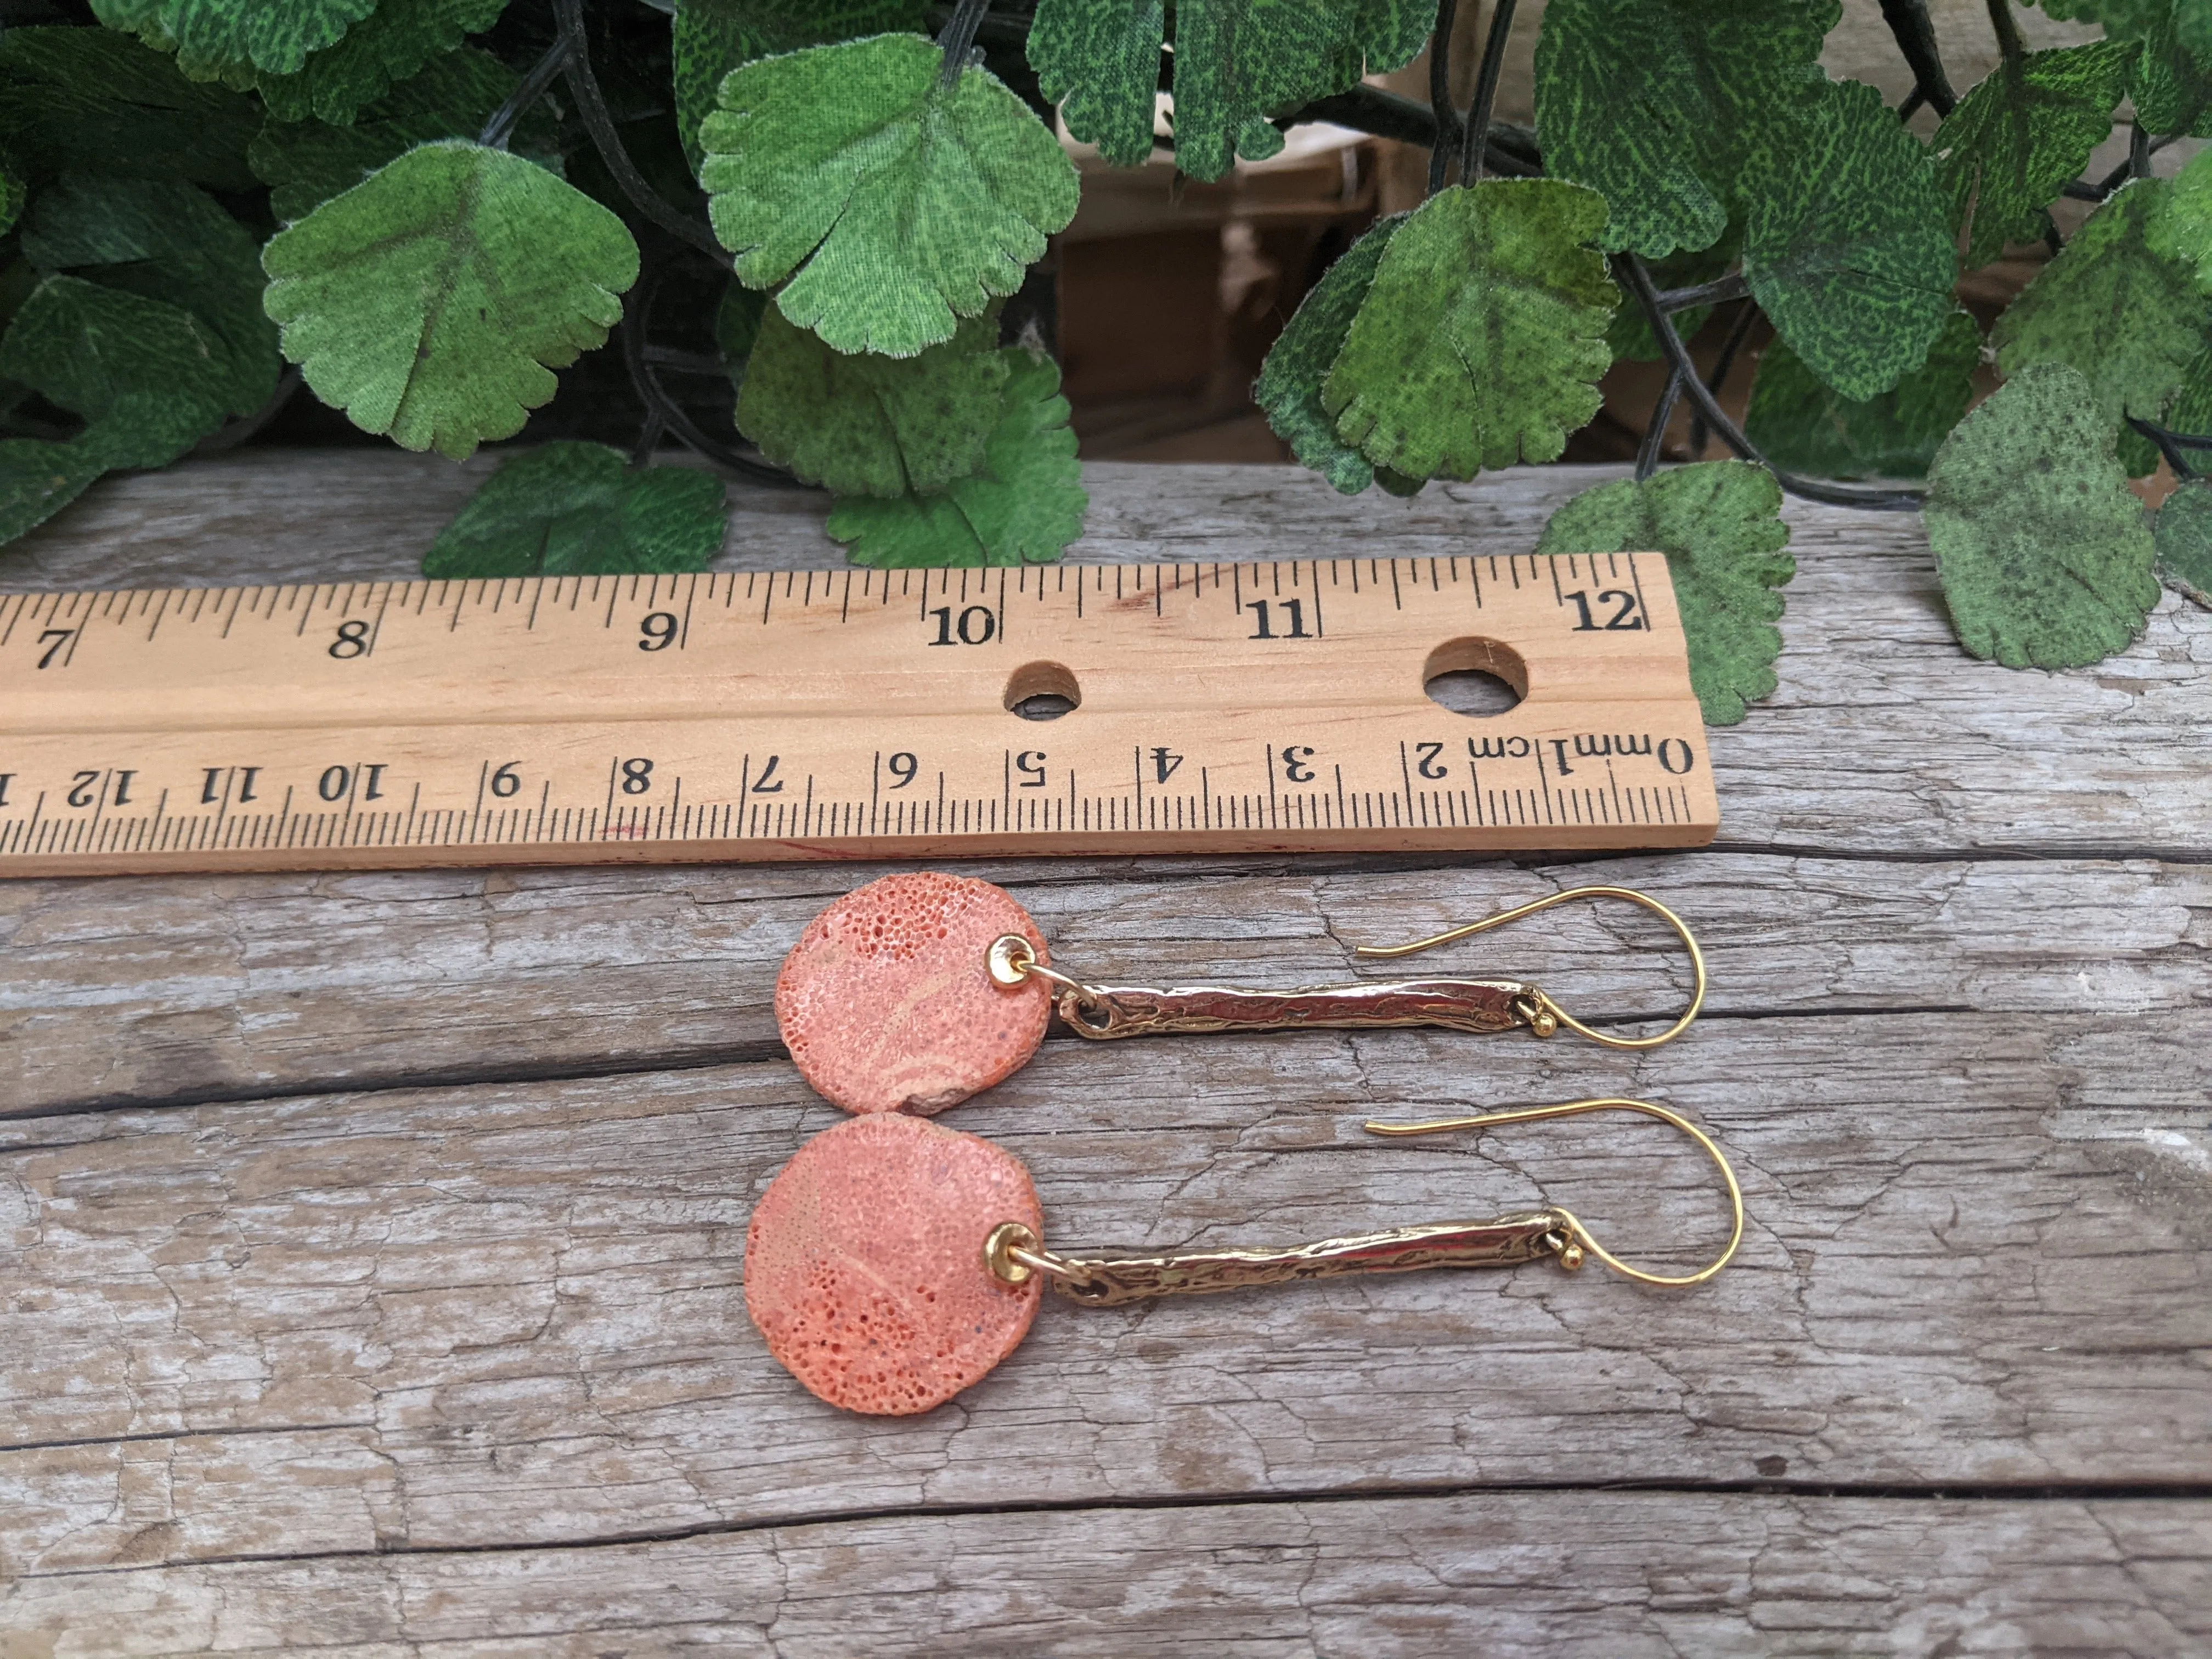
(2083,192)
(1474,135)
(1716,293)
(2010,45)
(542,74)
(648,439)
(1512,151)
(959,38)
(1638,281)
(637,312)
(2173,446)
(1647,453)
(1916,39)
(1738,333)
(2139,152)
(237,432)
(591,104)
(1440,102)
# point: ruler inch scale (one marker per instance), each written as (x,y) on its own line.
(740,715)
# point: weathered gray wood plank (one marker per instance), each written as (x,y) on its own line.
(275,1351)
(145,990)
(511,1314)
(1605,1574)
(1883,737)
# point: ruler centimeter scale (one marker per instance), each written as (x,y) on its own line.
(788,714)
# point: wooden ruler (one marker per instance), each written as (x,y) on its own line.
(1217,708)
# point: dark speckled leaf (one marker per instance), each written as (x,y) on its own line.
(1237,62)
(2114,306)
(1719,524)
(2044,553)
(270,34)
(571,510)
(1651,102)
(1290,384)
(2003,155)
(1800,424)
(865,425)
(1480,342)
(1023,507)
(710,38)
(1845,246)
(2184,541)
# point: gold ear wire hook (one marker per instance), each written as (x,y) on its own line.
(1546,1005)
(1579,1235)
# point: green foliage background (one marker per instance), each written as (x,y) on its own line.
(816,221)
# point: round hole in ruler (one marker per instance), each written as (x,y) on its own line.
(1475,676)
(1042,691)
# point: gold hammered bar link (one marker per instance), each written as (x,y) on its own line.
(1013,1254)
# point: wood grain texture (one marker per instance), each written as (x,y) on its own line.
(1600,1575)
(140,991)
(510,1313)
(374,1242)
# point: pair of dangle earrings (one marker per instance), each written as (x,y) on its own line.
(894,1262)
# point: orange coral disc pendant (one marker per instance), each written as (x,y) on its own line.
(864,1263)
(887,1002)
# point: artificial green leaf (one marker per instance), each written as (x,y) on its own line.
(1237,62)
(1651,102)
(2182,540)
(1799,423)
(2012,142)
(867,425)
(1481,340)
(2045,557)
(577,509)
(894,205)
(1099,60)
(710,38)
(306,163)
(166,241)
(39,476)
(39,479)
(2191,411)
(146,376)
(433,301)
(92,100)
(139,17)
(1290,384)
(2124,20)
(274,37)
(14,193)
(738,322)
(398,42)
(1844,245)
(1719,524)
(1025,505)
(2138,455)
(2179,225)
(86,347)
(2172,93)
(2112,307)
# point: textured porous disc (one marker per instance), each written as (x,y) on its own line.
(864,1263)
(887,1002)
